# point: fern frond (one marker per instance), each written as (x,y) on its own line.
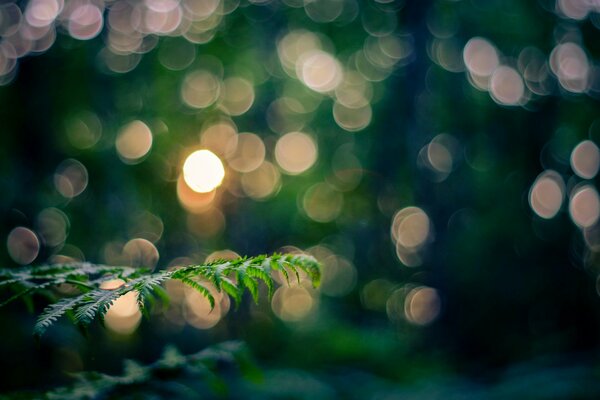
(231,277)
(232,290)
(162,294)
(275,266)
(146,289)
(264,274)
(29,289)
(198,375)
(54,311)
(307,264)
(11,281)
(249,283)
(96,303)
(282,264)
(199,288)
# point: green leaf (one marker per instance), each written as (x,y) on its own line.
(249,283)
(232,290)
(263,275)
(201,289)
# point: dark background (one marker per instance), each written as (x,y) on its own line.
(517,292)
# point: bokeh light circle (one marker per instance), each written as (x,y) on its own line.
(295,152)
(23,245)
(203,171)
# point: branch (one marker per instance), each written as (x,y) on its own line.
(232,277)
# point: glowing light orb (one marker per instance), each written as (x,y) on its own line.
(23,245)
(422,305)
(319,70)
(203,171)
(295,152)
(547,194)
(134,142)
(585,159)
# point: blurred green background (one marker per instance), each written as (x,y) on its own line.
(438,157)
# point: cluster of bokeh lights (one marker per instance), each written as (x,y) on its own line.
(523,77)
(549,191)
(418,305)
(514,82)
(310,75)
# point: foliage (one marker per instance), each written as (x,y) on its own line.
(173,375)
(228,370)
(232,277)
